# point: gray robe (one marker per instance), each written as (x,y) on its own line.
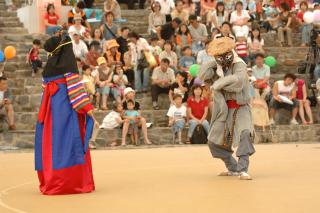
(233,86)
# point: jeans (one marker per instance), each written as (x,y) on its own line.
(193,124)
(178,126)
(316,72)
(306,31)
(140,75)
(196,47)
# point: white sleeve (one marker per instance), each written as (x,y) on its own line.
(232,18)
(246,14)
(184,111)
(262,42)
(249,40)
(170,112)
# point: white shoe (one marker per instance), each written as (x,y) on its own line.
(271,122)
(229,173)
(244,176)
(294,122)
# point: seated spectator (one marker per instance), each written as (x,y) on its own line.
(251,7)
(255,43)
(122,40)
(162,80)
(156,19)
(120,80)
(113,120)
(239,19)
(80,64)
(285,19)
(155,48)
(93,54)
(141,70)
(51,20)
(219,16)
(131,115)
(305,28)
(168,30)
(33,57)
(186,60)
(261,73)
(179,12)
(104,83)
(203,56)
(177,118)
(113,7)
(229,5)
(112,55)
(197,107)
(166,8)
(6,102)
(78,10)
(97,36)
(290,3)
(189,7)
(128,67)
(225,31)
(242,47)
(271,14)
(198,33)
(89,82)
(141,121)
(284,88)
(183,38)
(207,7)
(80,48)
(77,27)
(109,30)
(179,87)
(304,103)
(170,55)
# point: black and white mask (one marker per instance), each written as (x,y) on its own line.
(225,60)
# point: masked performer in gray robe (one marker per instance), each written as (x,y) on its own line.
(231,122)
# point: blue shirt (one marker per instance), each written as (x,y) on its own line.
(131,113)
(187,61)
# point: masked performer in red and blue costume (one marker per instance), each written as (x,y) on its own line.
(64,126)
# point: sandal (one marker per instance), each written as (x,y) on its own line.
(156,108)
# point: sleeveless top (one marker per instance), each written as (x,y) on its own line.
(300,84)
(284,90)
(103,76)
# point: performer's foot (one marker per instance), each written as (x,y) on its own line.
(92,146)
(229,173)
(245,176)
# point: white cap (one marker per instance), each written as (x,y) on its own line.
(239,34)
(128,90)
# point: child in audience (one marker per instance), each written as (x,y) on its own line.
(155,48)
(186,60)
(120,81)
(33,57)
(177,118)
(183,38)
(132,115)
(180,87)
(271,13)
(242,47)
(255,43)
(88,81)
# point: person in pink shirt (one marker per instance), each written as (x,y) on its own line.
(304,103)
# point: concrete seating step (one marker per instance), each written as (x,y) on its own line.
(17,30)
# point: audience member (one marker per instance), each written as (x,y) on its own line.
(93,54)
(189,7)
(113,7)
(285,19)
(198,33)
(304,102)
(283,90)
(131,115)
(33,57)
(122,40)
(177,118)
(183,38)
(78,10)
(261,73)
(169,54)
(162,79)
(255,43)
(10,5)
(242,46)
(305,27)
(219,16)
(141,121)
(77,27)
(203,56)
(112,55)
(186,60)
(89,82)
(51,20)
(271,14)
(166,8)
(109,29)
(197,107)
(239,19)
(290,4)
(225,31)
(6,102)
(179,87)
(168,30)
(80,48)
(97,36)
(128,67)
(120,80)
(179,12)
(155,48)
(156,19)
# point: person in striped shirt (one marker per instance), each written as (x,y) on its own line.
(242,47)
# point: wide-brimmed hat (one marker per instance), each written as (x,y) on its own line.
(111,43)
(101,60)
(221,46)
(128,90)
(77,17)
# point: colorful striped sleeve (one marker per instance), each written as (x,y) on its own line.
(78,96)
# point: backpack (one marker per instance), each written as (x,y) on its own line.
(199,135)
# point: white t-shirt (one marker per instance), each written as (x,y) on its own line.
(73,30)
(177,113)
(1,95)
(80,50)
(110,121)
(166,6)
(256,43)
(234,16)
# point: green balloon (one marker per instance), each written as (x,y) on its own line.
(194,70)
(270,61)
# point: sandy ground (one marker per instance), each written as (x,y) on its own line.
(181,179)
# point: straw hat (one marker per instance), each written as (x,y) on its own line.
(101,60)
(111,43)
(77,17)
(221,46)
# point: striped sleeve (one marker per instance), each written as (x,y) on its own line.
(78,96)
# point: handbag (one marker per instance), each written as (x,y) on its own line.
(262,86)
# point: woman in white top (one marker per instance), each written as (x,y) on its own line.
(169,54)
(239,19)
(156,19)
(219,16)
(166,8)
(77,27)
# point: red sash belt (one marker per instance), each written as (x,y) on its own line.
(232,104)
(50,89)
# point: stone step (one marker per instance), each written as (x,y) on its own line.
(279,134)
(5,13)
(17,30)
(11,24)
(10,19)
(270,39)
(19,73)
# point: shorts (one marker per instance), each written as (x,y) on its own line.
(133,128)
(274,104)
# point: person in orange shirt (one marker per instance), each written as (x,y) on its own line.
(183,38)
(112,55)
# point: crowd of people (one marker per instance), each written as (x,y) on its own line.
(116,62)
